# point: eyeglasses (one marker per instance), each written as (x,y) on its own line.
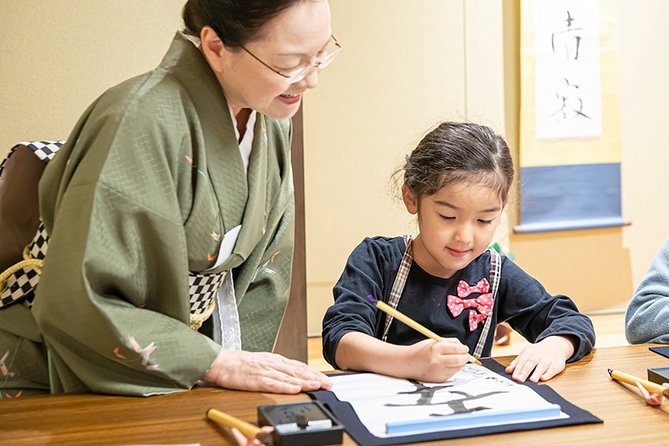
(302,72)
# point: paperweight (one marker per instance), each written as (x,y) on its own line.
(659,375)
(301,424)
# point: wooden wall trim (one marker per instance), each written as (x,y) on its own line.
(292,339)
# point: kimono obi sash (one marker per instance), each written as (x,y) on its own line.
(18,283)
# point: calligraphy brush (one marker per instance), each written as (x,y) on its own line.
(410,322)
(633,380)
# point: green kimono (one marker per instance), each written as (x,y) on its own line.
(149,181)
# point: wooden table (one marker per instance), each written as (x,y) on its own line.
(180,418)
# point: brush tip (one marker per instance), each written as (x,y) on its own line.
(371,299)
(610,371)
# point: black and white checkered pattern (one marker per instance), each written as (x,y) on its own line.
(38,246)
(44,150)
(21,285)
(202,289)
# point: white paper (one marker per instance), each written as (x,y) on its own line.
(378,400)
(568,85)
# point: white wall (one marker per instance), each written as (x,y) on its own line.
(57,56)
(404,67)
(406,64)
(644,77)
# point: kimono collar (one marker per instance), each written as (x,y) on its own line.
(239,197)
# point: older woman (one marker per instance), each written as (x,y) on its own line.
(169,213)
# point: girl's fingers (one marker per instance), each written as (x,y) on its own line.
(512,366)
(524,368)
(553,370)
(540,370)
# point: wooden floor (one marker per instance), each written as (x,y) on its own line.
(608,327)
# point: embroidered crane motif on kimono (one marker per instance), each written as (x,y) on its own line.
(265,267)
(144,353)
(3,367)
(9,395)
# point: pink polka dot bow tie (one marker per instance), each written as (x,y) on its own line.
(483,303)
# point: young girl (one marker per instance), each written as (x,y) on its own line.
(457,182)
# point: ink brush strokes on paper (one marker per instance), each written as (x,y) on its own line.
(474,397)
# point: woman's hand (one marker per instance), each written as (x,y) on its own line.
(541,361)
(432,361)
(263,372)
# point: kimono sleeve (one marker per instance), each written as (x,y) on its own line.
(112,303)
(266,242)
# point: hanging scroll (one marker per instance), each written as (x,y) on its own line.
(569,123)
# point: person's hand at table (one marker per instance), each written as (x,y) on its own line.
(263,372)
(541,361)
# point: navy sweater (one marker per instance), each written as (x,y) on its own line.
(521,300)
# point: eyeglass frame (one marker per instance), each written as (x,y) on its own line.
(307,69)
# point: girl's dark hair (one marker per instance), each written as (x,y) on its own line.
(455,152)
(235,21)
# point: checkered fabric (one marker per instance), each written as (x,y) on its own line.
(202,289)
(44,150)
(38,245)
(495,273)
(21,285)
(398,284)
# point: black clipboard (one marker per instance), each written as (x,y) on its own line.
(346,415)
(664,351)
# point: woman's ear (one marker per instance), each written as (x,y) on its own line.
(410,199)
(213,48)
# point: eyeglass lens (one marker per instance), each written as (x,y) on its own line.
(319,63)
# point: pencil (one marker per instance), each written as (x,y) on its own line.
(413,324)
(630,379)
(247,429)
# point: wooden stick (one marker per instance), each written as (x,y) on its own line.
(247,429)
(415,325)
(633,380)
